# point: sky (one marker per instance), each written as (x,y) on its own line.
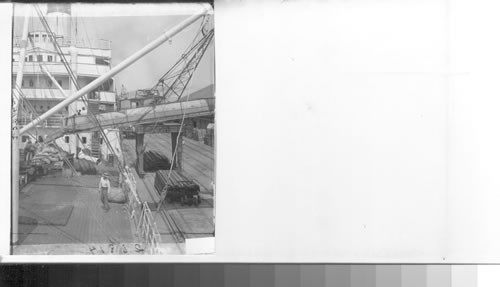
(130,33)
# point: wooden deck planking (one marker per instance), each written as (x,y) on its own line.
(88,222)
(195,222)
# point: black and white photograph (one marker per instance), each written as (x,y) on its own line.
(113,129)
(345,132)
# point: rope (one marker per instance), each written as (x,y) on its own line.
(75,82)
(41,65)
(182,122)
(168,74)
(88,40)
(36,114)
(196,47)
(199,49)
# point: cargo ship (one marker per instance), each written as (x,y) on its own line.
(150,151)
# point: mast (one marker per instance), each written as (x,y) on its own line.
(15,130)
(59,18)
(127,62)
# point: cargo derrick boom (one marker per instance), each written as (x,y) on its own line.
(166,105)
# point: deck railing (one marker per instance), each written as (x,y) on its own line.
(148,232)
(140,214)
(77,42)
(55,121)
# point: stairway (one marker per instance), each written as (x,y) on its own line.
(95,145)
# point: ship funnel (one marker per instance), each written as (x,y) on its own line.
(59,8)
(59,19)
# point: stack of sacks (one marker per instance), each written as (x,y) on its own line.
(48,154)
(116,195)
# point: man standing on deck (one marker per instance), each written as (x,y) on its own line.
(104,186)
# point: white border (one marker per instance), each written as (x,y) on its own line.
(331,134)
(121,10)
(5,124)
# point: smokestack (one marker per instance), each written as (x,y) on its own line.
(64,8)
(59,18)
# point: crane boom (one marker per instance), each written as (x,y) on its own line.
(127,62)
(172,88)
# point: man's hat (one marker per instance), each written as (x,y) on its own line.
(105,174)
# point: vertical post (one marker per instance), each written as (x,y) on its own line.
(118,68)
(176,156)
(179,151)
(15,131)
(139,150)
(73,88)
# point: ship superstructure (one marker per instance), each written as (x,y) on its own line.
(88,59)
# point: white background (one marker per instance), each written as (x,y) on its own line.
(488,276)
(347,131)
(475,118)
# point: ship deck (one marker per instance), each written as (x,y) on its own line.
(86,222)
(63,215)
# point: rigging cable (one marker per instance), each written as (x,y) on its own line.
(180,129)
(90,114)
(161,83)
(32,110)
(42,65)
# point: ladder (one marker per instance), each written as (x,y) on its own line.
(95,145)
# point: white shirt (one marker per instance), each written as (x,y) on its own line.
(104,183)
